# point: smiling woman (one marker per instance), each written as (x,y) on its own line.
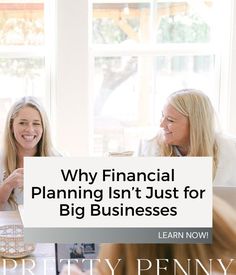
(188,128)
(26,134)
(27,130)
(175,128)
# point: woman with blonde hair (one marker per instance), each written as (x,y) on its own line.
(27,133)
(188,128)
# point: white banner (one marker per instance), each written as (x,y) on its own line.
(118,192)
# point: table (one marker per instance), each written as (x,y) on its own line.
(41,262)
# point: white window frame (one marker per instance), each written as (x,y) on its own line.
(29,51)
(72,101)
(232,89)
(227,77)
(73,69)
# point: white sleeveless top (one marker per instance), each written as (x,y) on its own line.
(226,170)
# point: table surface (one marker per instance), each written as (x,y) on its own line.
(42,260)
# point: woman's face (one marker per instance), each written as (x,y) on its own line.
(27,129)
(175,127)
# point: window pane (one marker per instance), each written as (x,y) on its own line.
(183,22)
(20,77)
(119,23)
(169,47)
(129,99)
(179,72)
(172,22)
(21,23)
(22,71)
(115,76)
(122,102)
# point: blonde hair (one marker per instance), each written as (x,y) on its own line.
(223,247)
(44,147)
(197,107)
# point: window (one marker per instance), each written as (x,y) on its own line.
(115,72)
(143,51)
(22,55)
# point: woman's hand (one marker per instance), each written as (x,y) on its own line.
(15,179)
